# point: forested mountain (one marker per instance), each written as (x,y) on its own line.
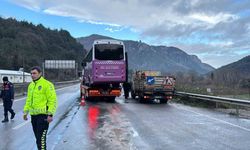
(147,57)
(24,43)
(234,74)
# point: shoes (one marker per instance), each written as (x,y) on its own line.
(5,120)
(12,115)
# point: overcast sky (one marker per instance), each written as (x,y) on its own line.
(217,31)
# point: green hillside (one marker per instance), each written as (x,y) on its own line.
(22,42)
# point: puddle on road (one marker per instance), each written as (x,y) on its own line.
(108,127)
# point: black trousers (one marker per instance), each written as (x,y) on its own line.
(126,93)
(40,128)
(7,105)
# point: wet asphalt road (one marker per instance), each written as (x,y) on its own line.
(17,134)
(121,126)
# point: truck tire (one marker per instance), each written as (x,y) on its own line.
(90,98)
(141,100)
(87,98)
(163,101)
(133,94)
(111,99)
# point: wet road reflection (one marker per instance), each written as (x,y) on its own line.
(114,112)
(14,134)
(93,114)
(108,127)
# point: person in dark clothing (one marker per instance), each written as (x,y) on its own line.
(126,89)
(7,94)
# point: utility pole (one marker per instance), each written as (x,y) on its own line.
(76,68)
(44,69)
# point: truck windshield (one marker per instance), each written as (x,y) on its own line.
(109,52)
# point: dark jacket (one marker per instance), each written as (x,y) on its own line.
(126,86)
(7,92)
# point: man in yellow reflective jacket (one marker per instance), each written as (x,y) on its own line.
(41,104)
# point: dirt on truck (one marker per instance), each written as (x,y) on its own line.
(151,85)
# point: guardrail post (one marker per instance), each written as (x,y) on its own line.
(23,90)
(237,110)
(216,105)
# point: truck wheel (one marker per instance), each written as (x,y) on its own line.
(111,99)
(133,94)
(141,100)
(163,101)
(89,98)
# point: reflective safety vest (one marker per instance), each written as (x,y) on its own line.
(41,98)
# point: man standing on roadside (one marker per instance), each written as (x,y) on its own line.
(7,94)
(126,89)
(41,104)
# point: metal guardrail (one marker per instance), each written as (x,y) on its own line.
(216,99)
(237,102)
(21,88)
(55,83)
(66,82)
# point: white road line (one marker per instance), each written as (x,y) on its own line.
(20,99)
(222,121)
(194,123)
(16,100)
(20,125)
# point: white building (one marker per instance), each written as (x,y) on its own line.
(15,76)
